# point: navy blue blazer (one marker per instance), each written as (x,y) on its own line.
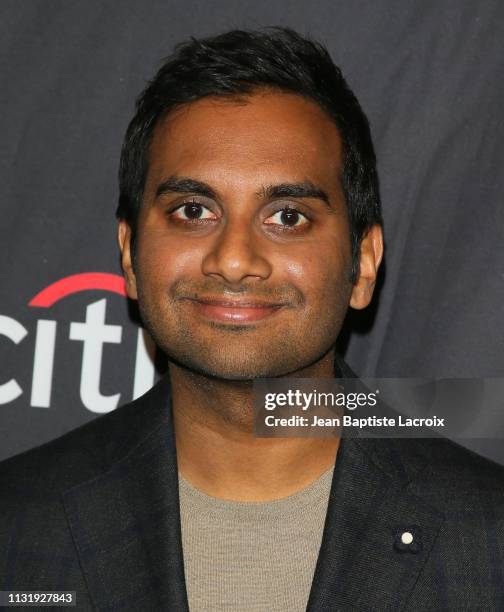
(97,512)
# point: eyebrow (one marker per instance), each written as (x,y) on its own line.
(176,184)
(303,189)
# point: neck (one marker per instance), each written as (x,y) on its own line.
(217,450)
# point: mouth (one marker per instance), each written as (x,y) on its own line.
(235,311)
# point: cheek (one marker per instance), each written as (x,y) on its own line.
(161,260)
(323,279)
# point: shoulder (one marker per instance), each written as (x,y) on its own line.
(84,452)
(435,468)
(450,460)
(447,474)
(452,457)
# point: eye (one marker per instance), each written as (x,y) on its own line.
(288,217)
(193,211)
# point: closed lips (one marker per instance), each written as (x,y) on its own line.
(228,304)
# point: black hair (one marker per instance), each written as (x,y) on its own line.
(237,63)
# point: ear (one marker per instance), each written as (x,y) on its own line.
(124,238)
(371,253)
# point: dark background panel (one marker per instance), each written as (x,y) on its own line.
(429,76)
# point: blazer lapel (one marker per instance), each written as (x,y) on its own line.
(363,562)
(126,525)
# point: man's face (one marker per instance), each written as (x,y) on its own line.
(214,240)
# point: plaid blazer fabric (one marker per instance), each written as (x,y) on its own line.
(97,512)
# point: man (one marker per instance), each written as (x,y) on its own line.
(249,221)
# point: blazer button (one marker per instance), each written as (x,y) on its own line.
(408,538)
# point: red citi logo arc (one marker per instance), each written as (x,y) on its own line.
(93,333)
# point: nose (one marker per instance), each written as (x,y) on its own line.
(236,254)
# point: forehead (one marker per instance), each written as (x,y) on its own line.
(267,136)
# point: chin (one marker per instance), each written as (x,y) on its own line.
(233,371)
